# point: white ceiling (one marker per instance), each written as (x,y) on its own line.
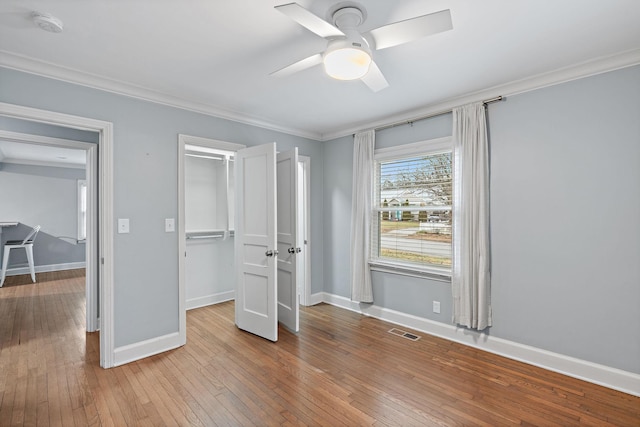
(41,155)
(216,56)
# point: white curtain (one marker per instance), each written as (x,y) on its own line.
(363,147)
(471,280)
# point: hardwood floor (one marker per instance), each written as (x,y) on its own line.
(342,369)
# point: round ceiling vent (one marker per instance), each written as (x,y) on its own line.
(47,22)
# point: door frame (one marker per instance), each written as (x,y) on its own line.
(102,260)
(305,289)
(183,141)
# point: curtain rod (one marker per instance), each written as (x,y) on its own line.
(439,113)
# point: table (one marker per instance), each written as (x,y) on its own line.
(2,225)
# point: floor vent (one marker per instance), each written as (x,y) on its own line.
(403,334)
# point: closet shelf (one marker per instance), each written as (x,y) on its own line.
(207,234)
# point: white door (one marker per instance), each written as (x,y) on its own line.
(255,241)
(288,248)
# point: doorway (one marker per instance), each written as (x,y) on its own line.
(99,260)
(76,162)
(199,243)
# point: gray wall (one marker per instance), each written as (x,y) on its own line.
(48,250)
(570,149)
(45,196)
(145,187)
(565,203)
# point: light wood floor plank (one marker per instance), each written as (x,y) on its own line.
(342,369)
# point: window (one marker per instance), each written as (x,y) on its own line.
(82,210)
(411,223)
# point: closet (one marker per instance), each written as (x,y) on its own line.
(238,233)
(209,228)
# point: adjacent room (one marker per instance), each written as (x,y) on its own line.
(320,213)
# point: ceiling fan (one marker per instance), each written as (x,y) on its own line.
(348,55)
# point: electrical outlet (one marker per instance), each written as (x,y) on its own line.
(436,307)
(169,225)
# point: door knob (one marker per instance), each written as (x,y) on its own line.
(291,250)
(271,252)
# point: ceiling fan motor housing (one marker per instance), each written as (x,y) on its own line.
(347,58)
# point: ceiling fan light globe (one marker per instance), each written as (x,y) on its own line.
(347,63)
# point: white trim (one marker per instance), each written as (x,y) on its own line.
(105,231)
(422,272)
(17,271)
(92,252)
(142,349)
(53,71)
(213,144)
(210,299)
(617,379)
(317,298)
(306,250)
(182,244)
(44,140)
(562,75)
(430,146)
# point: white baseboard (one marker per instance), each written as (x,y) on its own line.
(210,299)
(617,379)
(316,298)
(16,271)
(140,350)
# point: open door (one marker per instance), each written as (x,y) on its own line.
(255,241)
(288,301)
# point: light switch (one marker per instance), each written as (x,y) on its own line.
(169,225)
(123,225)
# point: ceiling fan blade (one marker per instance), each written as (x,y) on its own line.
(310,21)
(299,66)
(411,29)
(374,78)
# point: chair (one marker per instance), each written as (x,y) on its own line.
(27,244)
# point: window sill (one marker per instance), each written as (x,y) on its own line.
(432,273)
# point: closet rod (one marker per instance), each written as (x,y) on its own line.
(438,113)
(214,235)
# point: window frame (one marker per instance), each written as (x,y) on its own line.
(421,148)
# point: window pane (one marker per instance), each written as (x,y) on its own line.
(412,222)
(418,181)
(424,239)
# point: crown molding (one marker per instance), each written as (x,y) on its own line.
(562,75)
(46,69)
